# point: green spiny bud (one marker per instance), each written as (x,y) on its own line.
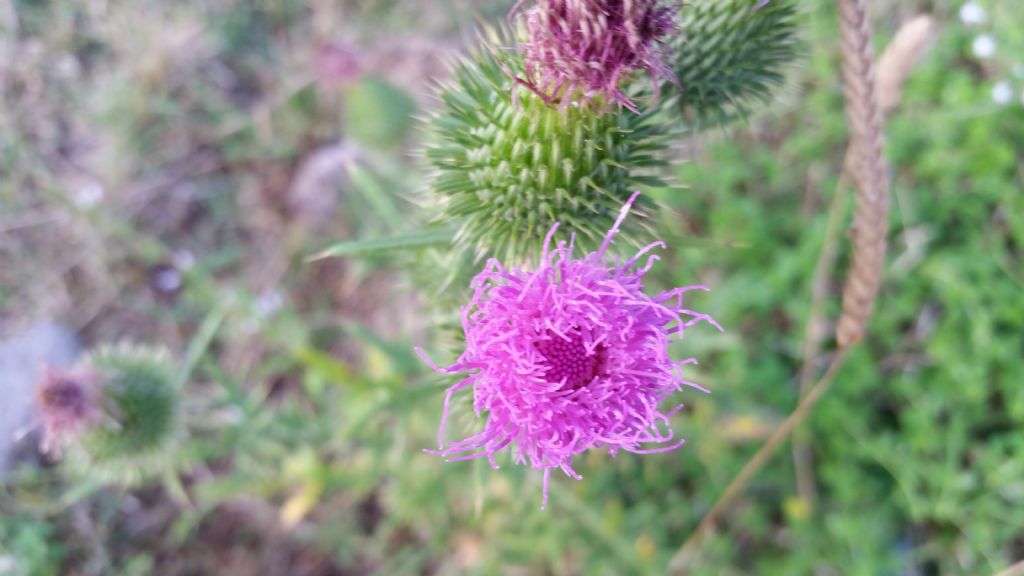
(141,416)
(730,54)
(508,165)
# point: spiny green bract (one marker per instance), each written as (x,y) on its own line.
(142,407)
(508,165)
(730,54)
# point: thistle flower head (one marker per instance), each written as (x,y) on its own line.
(577,49)
(138,413)
(507,166)
(67,403)
(570,356)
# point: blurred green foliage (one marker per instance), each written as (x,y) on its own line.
(918,443)
(307,417)
(27,546)
(378,114)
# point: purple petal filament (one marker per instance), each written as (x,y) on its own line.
(568,357)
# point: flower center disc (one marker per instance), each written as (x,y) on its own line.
(569,360)
(66,397)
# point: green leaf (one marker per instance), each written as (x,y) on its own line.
(412,240)
(200,344)
(373,190)
(323,364)
(378,114)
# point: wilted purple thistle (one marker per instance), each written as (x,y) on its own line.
(568,357)
(67,403)
(584,48)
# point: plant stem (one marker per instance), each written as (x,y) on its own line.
(803,458)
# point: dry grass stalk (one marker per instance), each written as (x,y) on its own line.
(899,59)
(870,173)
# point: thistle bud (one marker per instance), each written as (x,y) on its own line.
(731,54)
(508,165)
(137,426)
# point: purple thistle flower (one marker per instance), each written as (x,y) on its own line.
(569,357)
(584,48)
(67,404)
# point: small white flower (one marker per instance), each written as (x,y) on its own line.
(167,280)
(183,259)
(87,195)
(268,304)
(261,309)
(1002,92)
(972,13)
(984,46)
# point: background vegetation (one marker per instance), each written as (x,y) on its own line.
(166,169)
